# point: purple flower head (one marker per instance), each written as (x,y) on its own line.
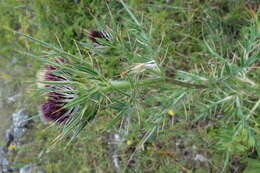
(52,110)
(94,34)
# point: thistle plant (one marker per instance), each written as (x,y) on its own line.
(78,88)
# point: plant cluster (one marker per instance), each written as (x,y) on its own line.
(171,95)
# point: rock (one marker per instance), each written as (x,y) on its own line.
(200,158)
(30,168)
(20,118)
(13,137)
(18,127)
(13,98)
(41,171)
(26,169)
(3,161)
(19,132)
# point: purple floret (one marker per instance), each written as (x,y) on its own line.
(94,34)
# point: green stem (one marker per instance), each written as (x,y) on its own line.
(186,84)
(151,81)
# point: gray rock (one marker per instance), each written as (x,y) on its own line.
(26,169)
(13,98)
(19,132)
(200,158)
(3,161)
(20,118)
(18,127)
(14,134)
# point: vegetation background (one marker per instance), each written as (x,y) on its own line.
(173,128)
